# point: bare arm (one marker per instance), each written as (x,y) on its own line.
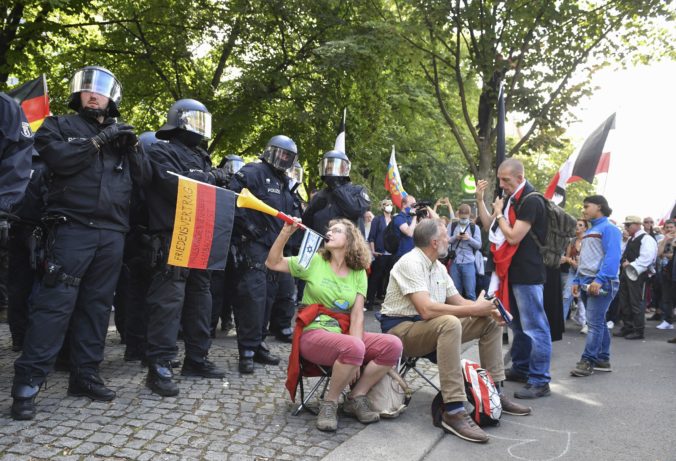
(461,307)
(357,317)
(407,229)
(276,260)
(485,217)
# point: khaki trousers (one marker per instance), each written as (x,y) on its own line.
(445,334)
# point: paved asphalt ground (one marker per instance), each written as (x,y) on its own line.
(623,415)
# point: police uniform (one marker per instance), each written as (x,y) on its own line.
(348,201)
(254,233)
(16,147)
(89,191)
(175,291)
(283,299)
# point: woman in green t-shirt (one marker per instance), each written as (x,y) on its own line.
(336,280)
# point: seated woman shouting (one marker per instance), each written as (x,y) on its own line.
(330,328)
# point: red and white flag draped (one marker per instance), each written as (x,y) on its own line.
(592,159)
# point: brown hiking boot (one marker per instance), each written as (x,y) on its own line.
(463,426)
(359,408)
(327,418)
(510,407)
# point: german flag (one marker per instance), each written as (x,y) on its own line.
(202,225)
(34,100)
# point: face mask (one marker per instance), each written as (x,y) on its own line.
(388,209)
(407,210)
(464,221)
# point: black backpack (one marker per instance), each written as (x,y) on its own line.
(391,238)
(560,229)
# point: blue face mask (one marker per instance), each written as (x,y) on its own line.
(407,210)
(464,221)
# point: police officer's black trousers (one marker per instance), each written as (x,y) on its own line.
(251,306)
(20,281)
(223,286)
(136,313)
(283,302)
(94,256)
(178,296)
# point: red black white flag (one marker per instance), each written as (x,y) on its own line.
(34,100)
(592,159)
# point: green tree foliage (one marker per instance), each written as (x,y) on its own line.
(410,72)
(545,53)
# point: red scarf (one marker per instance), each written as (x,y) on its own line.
(502,257)
(305,317)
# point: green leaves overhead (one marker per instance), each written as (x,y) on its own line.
(410,72)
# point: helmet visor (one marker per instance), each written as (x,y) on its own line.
(279,158)
(97,81)
(334,167)
(233,166)
(295,173)
(196,121)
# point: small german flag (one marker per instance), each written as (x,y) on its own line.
(34,100)
(202,225)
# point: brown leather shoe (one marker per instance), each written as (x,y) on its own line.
(463,426)
(510,407)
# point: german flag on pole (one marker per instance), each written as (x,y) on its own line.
(202,226)
(34,100)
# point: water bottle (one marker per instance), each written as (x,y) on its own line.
(602,292)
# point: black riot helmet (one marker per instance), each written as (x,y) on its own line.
(96,80)
(334,163)
(187,115)
(146,140)
(280,153)
(231,164)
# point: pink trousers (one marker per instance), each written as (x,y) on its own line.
(324,348)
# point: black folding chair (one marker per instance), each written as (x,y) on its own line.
(311,370)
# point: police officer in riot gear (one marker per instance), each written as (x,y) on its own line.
(340,199)
(253,235)
(93,162)
(16,146)
(131,317)
(223,282)
(177,292)
(231,164)
(284,297)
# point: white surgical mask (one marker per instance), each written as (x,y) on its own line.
(464,221)
(388,209)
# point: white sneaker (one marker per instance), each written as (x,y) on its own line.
(584,330)
(610,324)
(665,325)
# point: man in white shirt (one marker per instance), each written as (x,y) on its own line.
(423,308)
(637,263)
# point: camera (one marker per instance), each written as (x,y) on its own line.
(420,209)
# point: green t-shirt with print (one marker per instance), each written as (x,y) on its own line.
(323,286)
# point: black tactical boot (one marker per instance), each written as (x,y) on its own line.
(89,384)
(246,361)
(23,407)
(204,369)
(264,356)
(159,379)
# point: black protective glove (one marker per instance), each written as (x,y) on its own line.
(113,132)
(4,232)
(219,175)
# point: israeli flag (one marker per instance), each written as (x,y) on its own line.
(309,246)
